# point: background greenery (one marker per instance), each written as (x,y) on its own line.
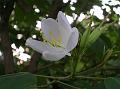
(94,64)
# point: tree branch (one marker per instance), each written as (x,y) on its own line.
(6,8)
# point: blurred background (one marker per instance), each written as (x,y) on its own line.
(24,21)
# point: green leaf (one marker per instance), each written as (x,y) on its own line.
(84,39)
(112,83)
(89,38)
(17,81)
(94,36)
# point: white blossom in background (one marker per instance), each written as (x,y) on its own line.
(34,36)
(111,2)
(105,1)
(107,8)
(19,36)
(0,53)
(15,27)
(74,16)
(81,17)
(20,53)
(73,1)
(37,10)
(97,11)
(65,1)
(116,10)
(119,21)
(59,38)
(114,2)
(38,24)
(72,8)
(1,56)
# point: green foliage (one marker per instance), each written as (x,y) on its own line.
(112,83)
(94,63)
(17,81)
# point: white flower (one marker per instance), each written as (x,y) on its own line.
(59,38)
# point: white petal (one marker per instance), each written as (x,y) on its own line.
(62,20)
(51,29)
(65,28)
(53,56)
(73,40)
(37,45)
(42,46)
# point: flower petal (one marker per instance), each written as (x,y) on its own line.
(53,56)
(51,30)
(37,45)
(42,46)
(65,28)
(73,40)
(62,20)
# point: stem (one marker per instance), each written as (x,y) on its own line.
(74,87)
(33,62)
(53,77)
(6,8)
(93,78)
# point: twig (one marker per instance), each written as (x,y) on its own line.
(53,77)
(68,85)
(87,77)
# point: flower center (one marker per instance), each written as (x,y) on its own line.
(54,41)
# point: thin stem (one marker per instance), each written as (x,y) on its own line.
(87,77)
(68,85)
(53,77)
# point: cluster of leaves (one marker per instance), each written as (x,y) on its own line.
(94,63)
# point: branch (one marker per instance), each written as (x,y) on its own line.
(5,12)
(33,62)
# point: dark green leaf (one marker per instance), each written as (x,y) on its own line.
(112,83)
(17,81)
